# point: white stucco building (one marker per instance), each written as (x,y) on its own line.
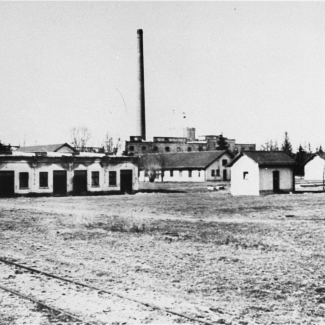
(262,172)
(64,172)
(315,167)
(187,166)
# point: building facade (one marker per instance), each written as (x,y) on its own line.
(262,172)
(186,167)
(315,167)
(188,143)
(66,174)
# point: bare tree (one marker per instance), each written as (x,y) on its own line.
(80,137)
(111,146)
(270,146)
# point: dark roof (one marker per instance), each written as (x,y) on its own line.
(44,148)
(183,160)
(266,158)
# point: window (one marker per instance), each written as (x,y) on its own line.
(155,148)
(144,148)
(189,149)
(199,173)
(43,179)
(171,173)
(94,179)
(224,162)
(213,172)
(167,149)
(189,173)
(217,172)
(245,175)
(180,173)
(200,148)
(112,178)
(23,180)
(131,148)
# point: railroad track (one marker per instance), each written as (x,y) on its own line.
(82,303)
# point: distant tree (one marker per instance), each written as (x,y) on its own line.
(300,158)
(309,148)
(111,146)
(80,137)
(154,164)
(286,146)
(222,143)
(5,148)
(320,150)
(270,146)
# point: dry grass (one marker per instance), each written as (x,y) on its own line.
(257,259)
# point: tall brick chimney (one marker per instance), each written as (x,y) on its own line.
(141,113)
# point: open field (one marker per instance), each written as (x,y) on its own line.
(234,260)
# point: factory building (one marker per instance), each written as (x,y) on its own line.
(187,143)
(138,143)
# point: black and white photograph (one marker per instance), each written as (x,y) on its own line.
(162,162)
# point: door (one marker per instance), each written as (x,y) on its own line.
(224,174)
(59,182)
(126,181)
(7,183)
(276,181)
(80,182)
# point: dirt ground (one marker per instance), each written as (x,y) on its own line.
(241,260)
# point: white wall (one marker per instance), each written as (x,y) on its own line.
(286,179)
(218,165)
(314,169)
(178,176)
(34,171)
(249,185)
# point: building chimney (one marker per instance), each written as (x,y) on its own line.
(189,133)
(141,113)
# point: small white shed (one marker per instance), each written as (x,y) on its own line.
(262,172)
(315,167)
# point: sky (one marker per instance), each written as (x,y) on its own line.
(248,70)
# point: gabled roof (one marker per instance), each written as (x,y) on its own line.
(45,148)
(312,156)
(266,158)
(183,160)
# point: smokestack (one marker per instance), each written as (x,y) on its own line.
(141,113)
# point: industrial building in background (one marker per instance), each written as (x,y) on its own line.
(138,144)
(187,143)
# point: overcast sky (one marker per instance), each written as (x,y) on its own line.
(249,70)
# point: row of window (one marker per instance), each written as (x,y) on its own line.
(167,149)
(44,177)
(172,173)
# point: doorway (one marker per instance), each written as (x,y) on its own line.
(7,183)
(224,174)
(126,181)
(276,181)
(59,182)
(80,182)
